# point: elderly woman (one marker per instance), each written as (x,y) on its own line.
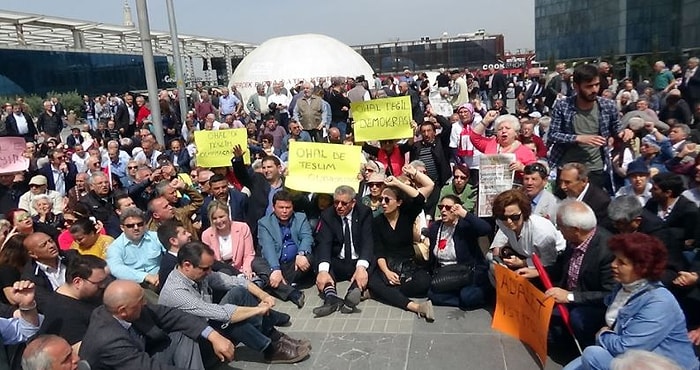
(43,206)
(642,314)
(522,234)
(399,276)
(454,242)
(373,200)
(231,241)
(460,187)
(507,129)
(88,240)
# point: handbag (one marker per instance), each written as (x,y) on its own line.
(450,278)
(405,268)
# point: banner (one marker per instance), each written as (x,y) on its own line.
(11,158)
(215,148)
(494,178)
(320,168)
(382,119)
(522,311)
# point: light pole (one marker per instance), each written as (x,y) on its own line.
(150,69)
(177,61)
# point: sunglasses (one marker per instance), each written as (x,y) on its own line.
(444,206)
(133,167)
(341,203)
(23,216)
(513,218)
(459,177)
(375,184)
(132,226)
(69,221)
(386,200)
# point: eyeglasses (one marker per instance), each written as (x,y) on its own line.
(100,284)
(386,200)
(513,218)
(69,221)
(341,203)
(133,167)
(132,226)
(459,177)
(34,185)
(445,206)
(375,184)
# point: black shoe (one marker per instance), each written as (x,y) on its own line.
(299,300)
(280,318)
(352,298)
(330,305)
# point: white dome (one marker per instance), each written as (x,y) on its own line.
(294,58)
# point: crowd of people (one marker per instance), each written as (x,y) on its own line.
(128,254)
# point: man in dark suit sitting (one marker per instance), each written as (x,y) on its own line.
(47,267)
(583,271)
(126,333)
(219,189)
(573,181)
(59,172)
(344,251)
(679,214)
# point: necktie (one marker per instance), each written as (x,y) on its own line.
(138,338)
(346,239)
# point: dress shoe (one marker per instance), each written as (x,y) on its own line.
(352,298)
(425,310)
(365,295)
(280,318)
(281,352)
(295,342)
(330,305)
(299,300)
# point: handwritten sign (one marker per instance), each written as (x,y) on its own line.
(320,168)
(215,148)
(382,119)
(522,311)
(11,158)
(494,177)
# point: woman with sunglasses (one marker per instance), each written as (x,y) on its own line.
(393,245)
(459,187)
(521,234)
(454,241)
(373,200)
(23,224)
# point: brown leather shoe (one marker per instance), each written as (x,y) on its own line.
(295,342)
(285,353)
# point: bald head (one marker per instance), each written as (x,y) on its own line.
(41,247)
(121,293)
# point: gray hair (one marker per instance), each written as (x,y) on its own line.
(345,190)
(685,128)
(35,357)
(162,186)
(257,164)
(637,359)
(580,168)
(508,118)
(131,212)
(417,163)
(694,60)
(37,198)
(94,175)
(574,213)
(624,208)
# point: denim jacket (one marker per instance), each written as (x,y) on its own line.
(270,237)
(651,320)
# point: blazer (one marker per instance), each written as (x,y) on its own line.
(270,236)
(121,117)
(11,126)
(691,88)
(33,273)
(108,345)
(242,242)
(598,199)
(69,177)
(183,160)
(167,264)
(237,203)
(683,219)
(547,206)
(595,279)
(466,240)
(330,234)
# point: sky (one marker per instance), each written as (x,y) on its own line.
(353,22)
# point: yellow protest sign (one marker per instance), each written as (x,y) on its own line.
(382,119)
(320,168)
(215,148)
(522,311)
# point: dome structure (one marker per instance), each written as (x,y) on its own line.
(291,59)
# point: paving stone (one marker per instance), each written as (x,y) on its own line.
(456,351)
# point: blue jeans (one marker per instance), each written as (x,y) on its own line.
(252,332)
(92,122)
(585,321)
(342,127)
(593,358)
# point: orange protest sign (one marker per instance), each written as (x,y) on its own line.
(522,311)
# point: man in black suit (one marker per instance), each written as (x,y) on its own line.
(574,182)
(416,111)
(679,214)
(219,189)
(690,83)
(344,251)
(47,267)
(497,85)
(126,333)
(20,124)
(125,115)
(59,172)
(583,275)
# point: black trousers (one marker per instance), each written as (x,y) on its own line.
(291,275)
(414,285)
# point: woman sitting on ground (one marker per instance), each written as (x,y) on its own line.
(231,241)
(88,240)
(460,187)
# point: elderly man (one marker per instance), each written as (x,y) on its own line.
(79,191)
(245,312)
(149,154)
(345,251)
(49,352)
(228,103)
(38,186)
(544,203)
(135,255)
(257,103)
(574,182)
(47,267)
(282,101)
(309,112)
(416,110)
(59,173)
(162,210)
(295,134)
(126,333)
(583,270)
(100,202)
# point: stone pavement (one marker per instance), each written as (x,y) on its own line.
(383,337)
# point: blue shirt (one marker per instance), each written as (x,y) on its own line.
(227,104)
(133,261)
(118,168)
(16,330)
(289,247)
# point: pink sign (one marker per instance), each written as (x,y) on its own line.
(11,158)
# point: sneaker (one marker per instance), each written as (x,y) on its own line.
(282,352)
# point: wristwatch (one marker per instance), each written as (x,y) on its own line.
(570,297)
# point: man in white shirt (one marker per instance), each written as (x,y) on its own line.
(281,100)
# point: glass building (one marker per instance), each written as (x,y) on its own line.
(42,71)
(572,29)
